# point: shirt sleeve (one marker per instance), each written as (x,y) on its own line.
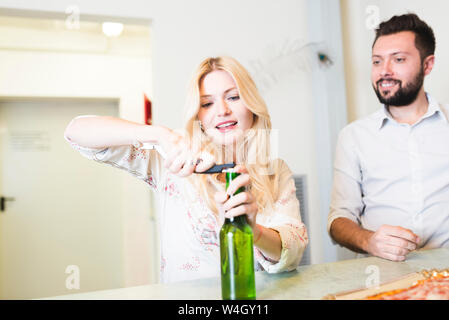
(346,197)
(143,164)
(286,220)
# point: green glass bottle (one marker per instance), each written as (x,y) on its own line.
(237,255)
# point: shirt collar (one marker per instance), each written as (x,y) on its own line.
(434,108)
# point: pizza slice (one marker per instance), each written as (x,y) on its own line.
(435,287)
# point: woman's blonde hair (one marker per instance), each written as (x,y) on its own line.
(254,149)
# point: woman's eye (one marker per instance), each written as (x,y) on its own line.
(234,98)
(207,104)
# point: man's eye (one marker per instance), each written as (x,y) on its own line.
(400,59)
(376,62)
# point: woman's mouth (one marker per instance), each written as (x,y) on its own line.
(226,126)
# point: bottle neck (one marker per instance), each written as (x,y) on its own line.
(238,219)
(242,218)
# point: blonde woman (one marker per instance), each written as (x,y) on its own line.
(226,121)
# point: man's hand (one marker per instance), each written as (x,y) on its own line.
(392,243)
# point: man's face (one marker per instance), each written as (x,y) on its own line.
(397,73)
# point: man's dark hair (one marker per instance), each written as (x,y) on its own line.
(424,36)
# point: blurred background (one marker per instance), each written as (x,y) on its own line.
(70,225)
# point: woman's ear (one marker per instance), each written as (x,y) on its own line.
(200,125)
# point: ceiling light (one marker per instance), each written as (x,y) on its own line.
(112,29)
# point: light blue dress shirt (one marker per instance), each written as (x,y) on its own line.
(397,174)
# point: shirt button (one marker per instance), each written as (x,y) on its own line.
(416,222)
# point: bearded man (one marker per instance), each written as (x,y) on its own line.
(390,191)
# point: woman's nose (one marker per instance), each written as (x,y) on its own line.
(223,108)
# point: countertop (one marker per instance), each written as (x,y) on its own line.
(309,282)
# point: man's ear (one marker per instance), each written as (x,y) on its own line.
(428,64)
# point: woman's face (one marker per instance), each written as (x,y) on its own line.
(223,115)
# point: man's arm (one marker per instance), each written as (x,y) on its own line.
(350,235)
(388,242)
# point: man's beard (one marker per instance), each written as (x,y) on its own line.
(403,96)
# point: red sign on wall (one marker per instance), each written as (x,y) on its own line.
(147,109)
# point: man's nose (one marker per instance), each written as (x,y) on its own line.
(387,69)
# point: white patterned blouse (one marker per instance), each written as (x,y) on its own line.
(189,230)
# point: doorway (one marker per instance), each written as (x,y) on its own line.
(49,74)
(57,216)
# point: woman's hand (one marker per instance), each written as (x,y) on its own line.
(182,158)
(267,240)
(242,203)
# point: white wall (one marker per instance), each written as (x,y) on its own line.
(46,61)
(263,34)
(358,39)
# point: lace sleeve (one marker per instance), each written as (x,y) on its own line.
(285,218)
(143,164)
